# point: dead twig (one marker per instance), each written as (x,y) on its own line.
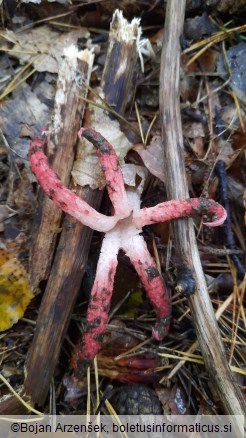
(185,241)
(61,143)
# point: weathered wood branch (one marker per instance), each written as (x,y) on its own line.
(183,230)
(61,142)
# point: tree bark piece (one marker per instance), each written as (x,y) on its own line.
(72,252)
(121,59)
(61,142)
(183,231)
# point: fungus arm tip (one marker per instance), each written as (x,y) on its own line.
(180,208)
(136,249)
(111,170)
(61,195)
(98,309)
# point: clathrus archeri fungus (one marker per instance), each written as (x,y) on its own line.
(122,231)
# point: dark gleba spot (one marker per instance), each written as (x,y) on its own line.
(35,149)
(63,205)
(51,193)
(204,206)
(94,324)
(98,337)
(152,272)
(104,150)
(111,275)
(106,308)
(92,307)
(106,292)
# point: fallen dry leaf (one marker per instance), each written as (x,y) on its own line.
(153,157)
(24,108)
(15,292)
(130,173)
(43,45)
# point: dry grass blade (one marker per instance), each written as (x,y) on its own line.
(215,38)
(88,405)
(238,370)
(23,52)
(208,42)
(21,400)
(239,112)
(238,309)
(44,20)
(150,127)
(139,122)
(185,357)
(97,381)
(7,38)
(15,83)
(133,350)
(105,106)
(113,413)
(189,353)
(197,359)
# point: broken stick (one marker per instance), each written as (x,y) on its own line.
(62,138)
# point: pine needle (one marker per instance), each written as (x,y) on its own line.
(88,405)
(15,83)
(208,42)
(105,106)
(150,127)
(139,122)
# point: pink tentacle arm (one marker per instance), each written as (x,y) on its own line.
(63,197)
(180,208)
(97,314)
(112,171)
(136,249)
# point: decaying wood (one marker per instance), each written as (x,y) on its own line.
(183,230)
(68,112)
(72,252)
(117,76)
